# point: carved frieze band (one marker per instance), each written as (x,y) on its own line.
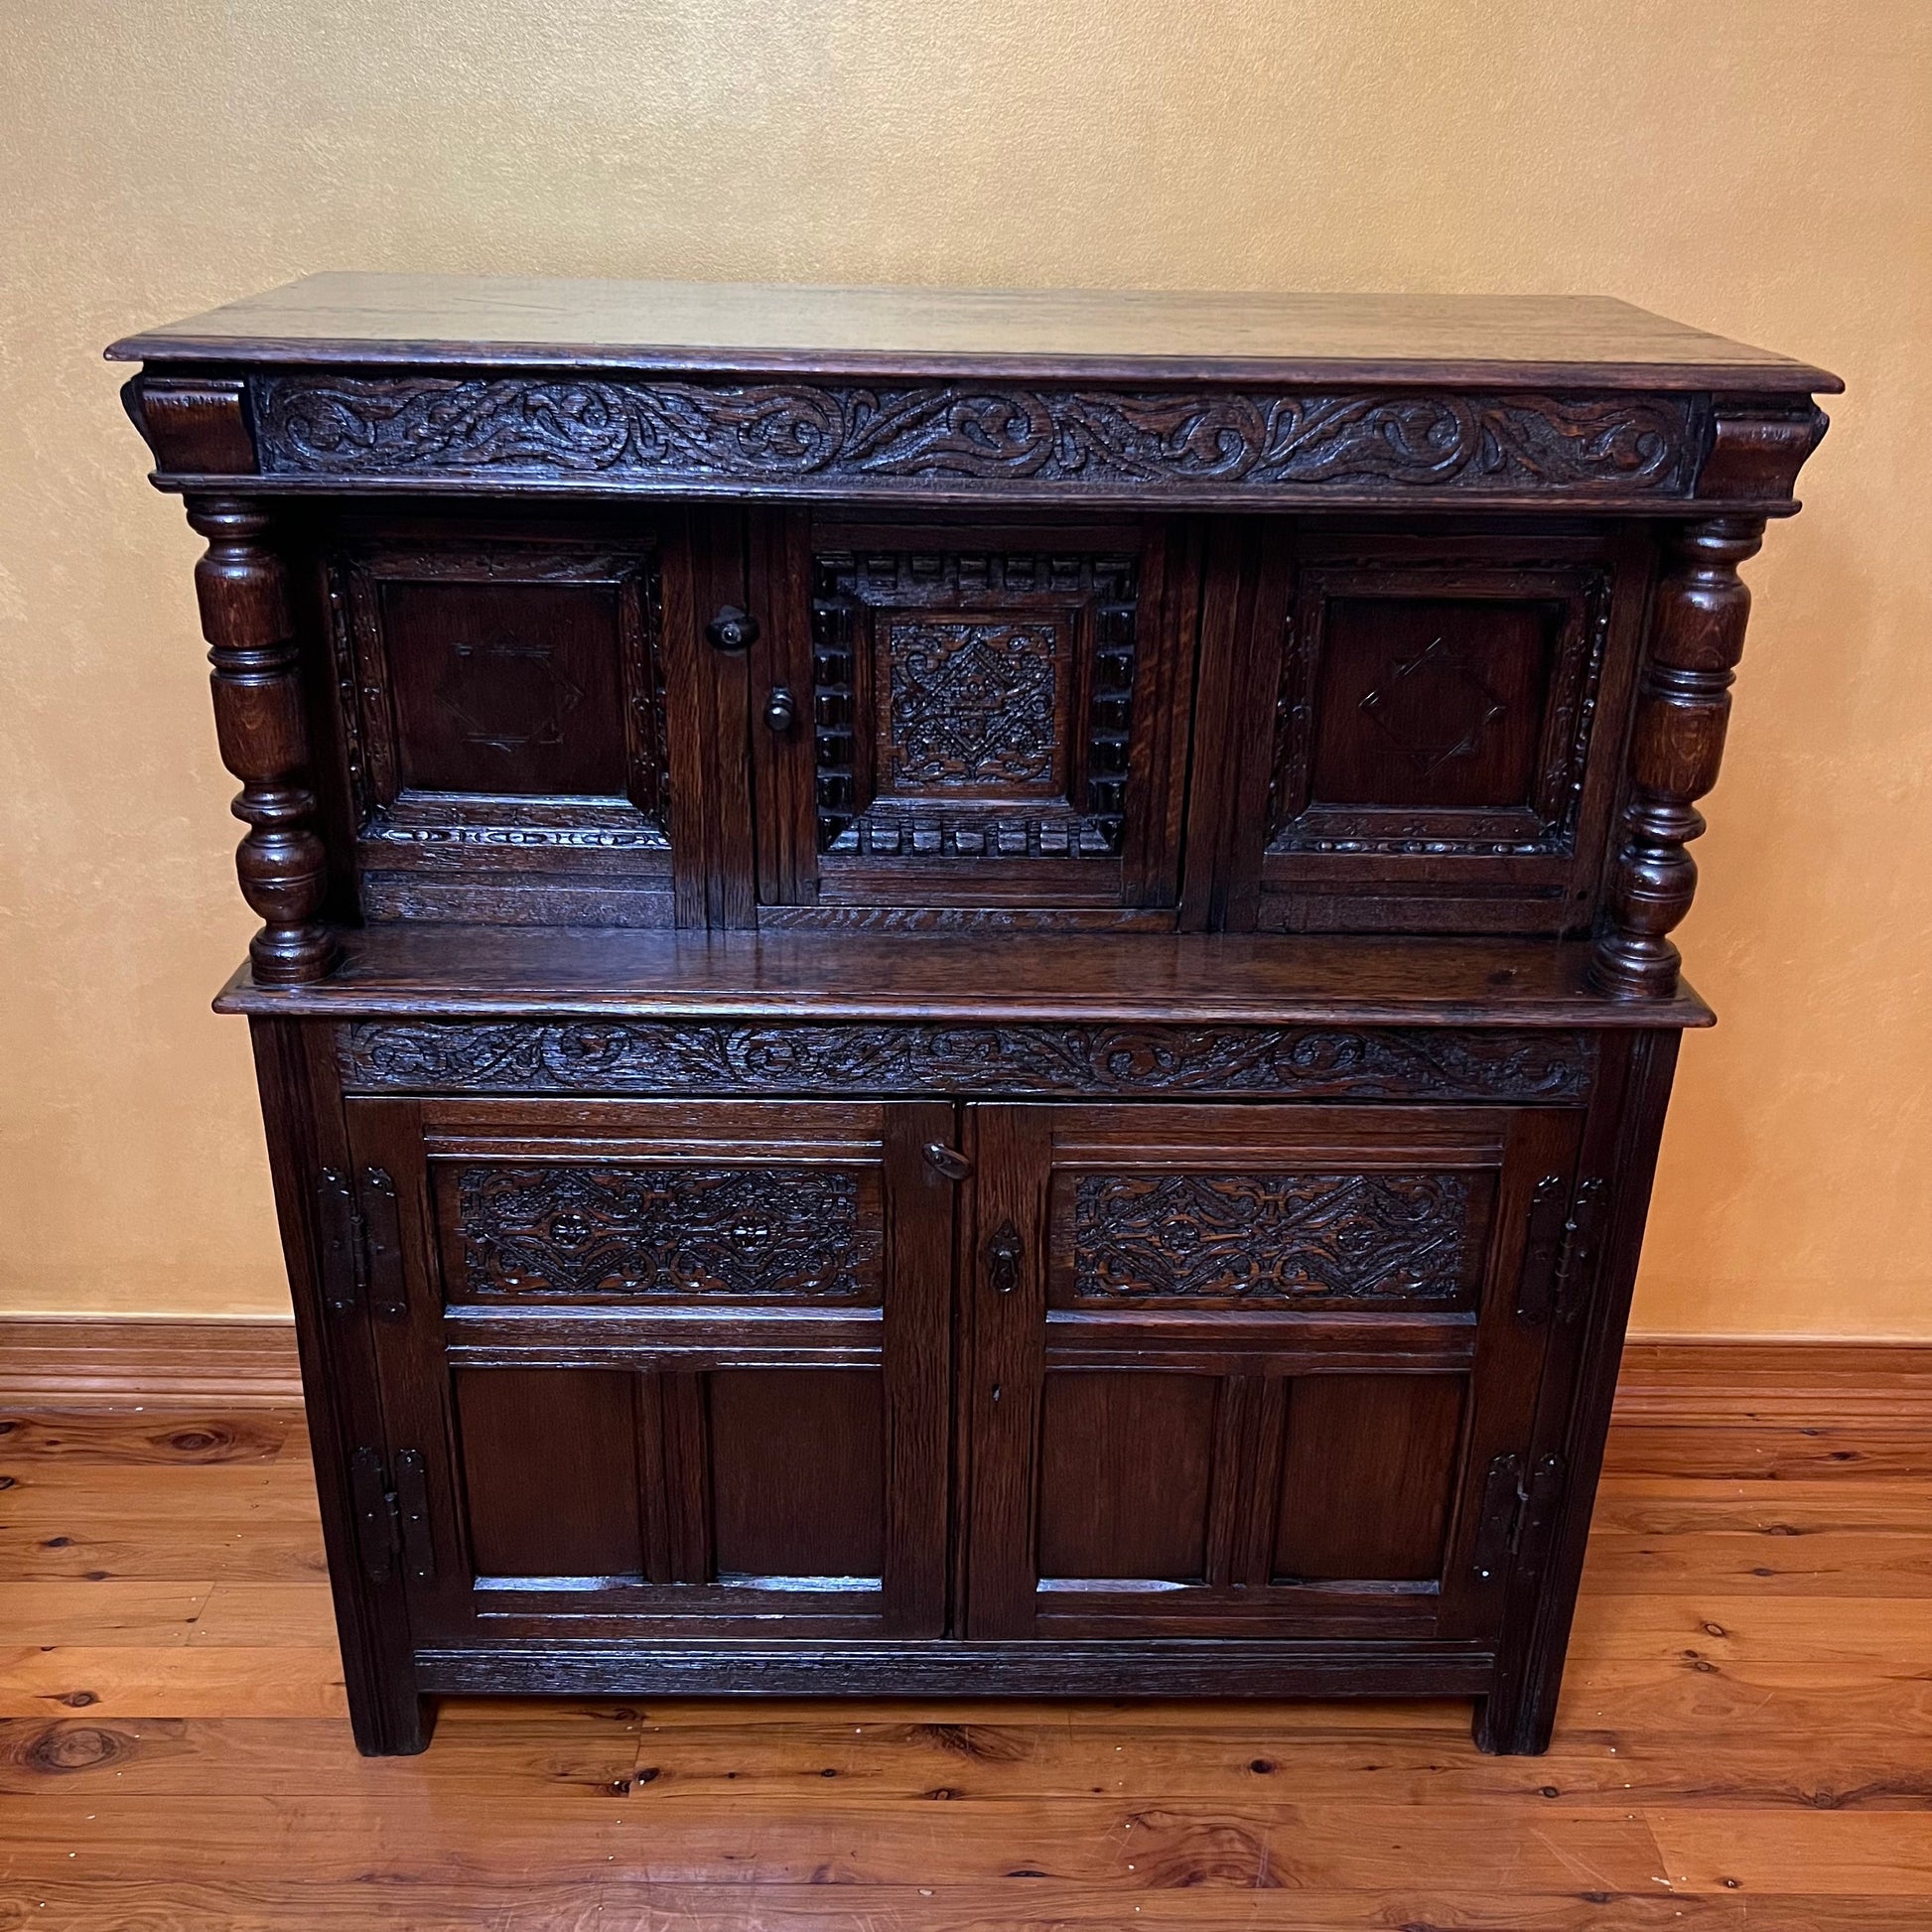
(761,1233)
(1195,443)
(1271,1237)
(683,1056)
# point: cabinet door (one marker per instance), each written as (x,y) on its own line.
(657,1368)
(962,716)
(1252,1370)
(532,723)
(1409,733)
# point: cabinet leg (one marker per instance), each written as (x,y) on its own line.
(1517,1725)
(391,1719)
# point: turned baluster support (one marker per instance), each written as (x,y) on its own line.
(1697,636)
(260,724)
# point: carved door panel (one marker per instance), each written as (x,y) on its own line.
(957,714)
(1255,1370)
(1410,733)
(660,1369)
(533,726)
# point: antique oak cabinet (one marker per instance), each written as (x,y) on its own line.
(963,993)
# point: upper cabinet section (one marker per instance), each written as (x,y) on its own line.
(1105,400)
(637,605)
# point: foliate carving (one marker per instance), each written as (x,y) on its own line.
(971,705)
(760,1233)
(1271,1237)
(1188,445)
(690,1057)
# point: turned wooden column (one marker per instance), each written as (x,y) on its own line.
(258,720)
(1697,636)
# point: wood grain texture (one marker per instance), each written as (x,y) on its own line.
(377,318)
(176,1362)
(427,972)
(1733,1750)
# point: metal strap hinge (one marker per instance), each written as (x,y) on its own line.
(1559,1250)
(1517,1512)
(360,1227)
(393,1520)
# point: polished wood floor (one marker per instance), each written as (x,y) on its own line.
(1745,1739)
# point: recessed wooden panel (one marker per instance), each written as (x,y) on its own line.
(1430,701)
(503,687)
(972,705)
(1367,1476)
(797,1472)
(550,1472)
(1125,1469)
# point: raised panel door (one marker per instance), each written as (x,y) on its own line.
(670,1369)
(1248,1370)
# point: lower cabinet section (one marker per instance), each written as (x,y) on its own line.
(718,1372)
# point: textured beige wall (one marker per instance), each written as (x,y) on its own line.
(1760,169)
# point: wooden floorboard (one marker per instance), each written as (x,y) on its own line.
(1745,1739)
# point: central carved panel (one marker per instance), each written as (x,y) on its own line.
(1265,1237)
(972,706)
(757,1233)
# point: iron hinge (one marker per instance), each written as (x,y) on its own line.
(360,1229)
(1559,1250)
(1517,1512)
(393,1520)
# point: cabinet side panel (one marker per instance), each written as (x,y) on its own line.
(302,1114)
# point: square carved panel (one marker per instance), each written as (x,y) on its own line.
(972,705)
(1430,701)
(505,688)
(1437,709)
(501,713)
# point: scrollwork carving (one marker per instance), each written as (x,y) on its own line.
(755,1233)
(1271,1237)
(723,1056)
(1188,444)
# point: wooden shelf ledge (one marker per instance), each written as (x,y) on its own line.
(427,970)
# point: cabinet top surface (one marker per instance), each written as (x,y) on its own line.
(445,320)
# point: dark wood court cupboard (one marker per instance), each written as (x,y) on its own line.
(963,993)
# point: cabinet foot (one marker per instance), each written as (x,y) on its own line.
(1504,1730)
(392,1725)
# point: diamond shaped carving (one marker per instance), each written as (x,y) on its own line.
(1434,706)
(507,694)
(972,705)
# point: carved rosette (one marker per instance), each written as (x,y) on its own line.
(1191,444)
(618,1056)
